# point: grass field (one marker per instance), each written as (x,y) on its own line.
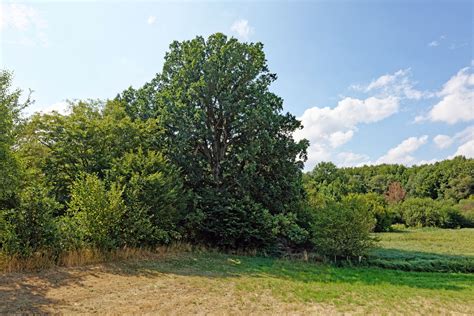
(428,249)
(214,283)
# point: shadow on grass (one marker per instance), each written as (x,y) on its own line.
(26,293)
(229,266)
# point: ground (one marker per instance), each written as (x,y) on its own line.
(213,283)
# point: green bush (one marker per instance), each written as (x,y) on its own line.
(425,212)
(377,206)
(154,196)
(231,223)
(96,211)
(343,229)
(30,226)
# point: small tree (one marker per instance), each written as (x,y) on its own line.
(154,196)
(10,108)
(343,229)
(30,226)
(97,211)
(395,193)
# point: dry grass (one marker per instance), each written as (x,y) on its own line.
(43,260)
(219,284)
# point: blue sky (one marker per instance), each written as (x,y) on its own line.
(372,81)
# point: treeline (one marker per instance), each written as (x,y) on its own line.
(437,195)
(203,154)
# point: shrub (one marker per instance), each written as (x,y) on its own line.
(154,196)
(425,212)
(376,205)
(30,227)
(232,223)
(343,229)
(96,211)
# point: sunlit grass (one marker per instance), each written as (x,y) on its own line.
(428,249)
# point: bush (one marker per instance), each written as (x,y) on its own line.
(425,212)
(30,227)
(230,223)
(343,229)
(376,205)
(154,196)
(96,211)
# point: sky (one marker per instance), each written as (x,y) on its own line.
(372,81)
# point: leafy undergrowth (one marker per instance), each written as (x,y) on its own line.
(429,249)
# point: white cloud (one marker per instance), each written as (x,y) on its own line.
(465,135)
(457,103)
(466,149)
(426,162)
(337,125)
(443,141)
(151,20)
(401,154)
(329,128)
(466,139)
(62,107)
(339,138)
(242,28)
(398,84)
(317,153)
(347,159)
(437,42)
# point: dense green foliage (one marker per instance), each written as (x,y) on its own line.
(225,130)
(428,195)
(343,229)
(202,153)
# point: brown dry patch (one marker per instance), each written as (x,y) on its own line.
(111,290)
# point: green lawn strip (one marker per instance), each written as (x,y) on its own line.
(346,288)
(430,250)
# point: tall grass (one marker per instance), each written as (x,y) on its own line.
(47,259)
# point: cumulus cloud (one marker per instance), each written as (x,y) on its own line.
(442,141)
(151,20)
(337,125)
(242,28)
(445,141)
(398,84)
(401,154)
(466,149)
(433,44)
(329,128)
(465,138)
(457,100)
